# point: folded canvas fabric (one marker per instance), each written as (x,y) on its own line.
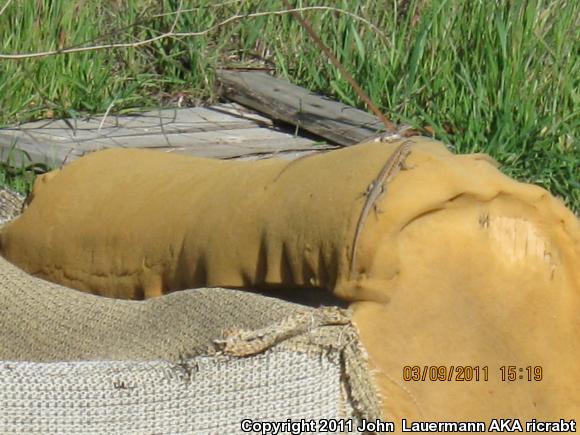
(460,266)
(137,223)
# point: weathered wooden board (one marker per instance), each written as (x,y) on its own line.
(282,100)
(221,131)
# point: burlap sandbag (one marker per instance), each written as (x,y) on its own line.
(462,266)
(194,362)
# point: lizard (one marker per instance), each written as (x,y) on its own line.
(401,132)
(377,188)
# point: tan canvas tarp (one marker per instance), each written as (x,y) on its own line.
(462,266)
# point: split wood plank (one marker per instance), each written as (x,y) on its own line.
(279,99)
(221,131)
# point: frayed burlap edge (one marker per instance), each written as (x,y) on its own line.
(328,332)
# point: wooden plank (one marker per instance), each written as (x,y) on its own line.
(18,153)
(168,121)
(223,131)
(282,100)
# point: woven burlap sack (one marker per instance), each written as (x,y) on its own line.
(198,361)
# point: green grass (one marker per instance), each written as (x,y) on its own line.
(500,77)
(16,179)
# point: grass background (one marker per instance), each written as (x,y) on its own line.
(500,77)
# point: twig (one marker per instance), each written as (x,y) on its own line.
(171,34)
(177,16)
(106,114)
(345,74)
(5,6)
(302,9)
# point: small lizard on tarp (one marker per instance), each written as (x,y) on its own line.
(377,188)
